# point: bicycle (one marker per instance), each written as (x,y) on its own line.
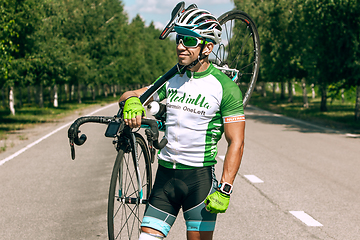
(131,179)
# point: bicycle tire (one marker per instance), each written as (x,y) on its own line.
(124,218)
(239,49)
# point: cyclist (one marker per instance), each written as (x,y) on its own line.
(202,104)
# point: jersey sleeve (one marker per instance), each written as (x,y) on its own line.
(231,104)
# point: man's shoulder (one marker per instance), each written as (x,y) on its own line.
(223,79)
(220,76)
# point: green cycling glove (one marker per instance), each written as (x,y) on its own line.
(217,202)
(133,108)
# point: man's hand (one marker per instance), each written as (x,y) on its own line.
(217,202)
(133,111)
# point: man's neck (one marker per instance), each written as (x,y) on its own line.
(201,66)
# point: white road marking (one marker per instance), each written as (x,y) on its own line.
(253,179)
(352,135)
(305,218)
(46,136)
(222,157)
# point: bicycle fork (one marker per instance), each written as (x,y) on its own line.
(135,158)
(138,198)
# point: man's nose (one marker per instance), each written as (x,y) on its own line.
(181,45)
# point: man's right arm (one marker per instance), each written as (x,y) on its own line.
(133,122)
(134,93)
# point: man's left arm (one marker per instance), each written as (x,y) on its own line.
(218,201)
(234,135)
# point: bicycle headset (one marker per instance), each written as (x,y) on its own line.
(201,24)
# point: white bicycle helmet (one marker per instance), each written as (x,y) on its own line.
(199,23)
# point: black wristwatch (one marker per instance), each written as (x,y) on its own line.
(225,188)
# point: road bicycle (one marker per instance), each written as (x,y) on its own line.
(238,56)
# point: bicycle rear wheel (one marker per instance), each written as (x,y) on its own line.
(238,54)
(126,205)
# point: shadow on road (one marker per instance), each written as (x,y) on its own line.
(290,124)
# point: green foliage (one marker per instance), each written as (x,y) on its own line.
(48,42)
(311,39)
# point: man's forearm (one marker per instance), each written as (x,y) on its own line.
(232,162)
(128,94)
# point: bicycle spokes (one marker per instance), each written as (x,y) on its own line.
(126,200)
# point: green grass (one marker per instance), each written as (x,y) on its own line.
(339,116)
(28,116)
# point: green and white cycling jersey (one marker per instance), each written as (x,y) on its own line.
(198,105)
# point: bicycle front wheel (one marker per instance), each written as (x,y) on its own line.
(238,54)
(126,204)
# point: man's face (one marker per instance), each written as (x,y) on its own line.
(187,55)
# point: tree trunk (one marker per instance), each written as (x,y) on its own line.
(72,92)
(274,90)
(293,89)
(20,97)
(51,95)
(114,90)
(56,103)
(105,90)
(282,94)
(3,97)
(67,92)
(36,96)
(263,89)
(313,95)
(41,96)
(304,93)
(60,93)
(323,107)
(84,91)
(99,90)
(79,93)
(12,101)
(357,103)
(290,91)
(93,93)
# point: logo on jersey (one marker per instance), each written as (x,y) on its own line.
(199,100)
(234,119)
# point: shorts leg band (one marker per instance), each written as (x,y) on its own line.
(200,226)
(149,236)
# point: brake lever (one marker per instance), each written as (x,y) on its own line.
(72,149)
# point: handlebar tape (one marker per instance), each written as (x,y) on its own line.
(155,132)
(74,128)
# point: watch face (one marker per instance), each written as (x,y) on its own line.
(227,188)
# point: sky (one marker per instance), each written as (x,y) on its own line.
(159,11)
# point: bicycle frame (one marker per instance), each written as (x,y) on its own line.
(145,97)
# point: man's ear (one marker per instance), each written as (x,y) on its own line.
(208,48)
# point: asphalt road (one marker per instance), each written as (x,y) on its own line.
(297,181)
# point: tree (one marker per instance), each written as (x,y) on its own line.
(279,23)
(18,21)
(310,41)
(49,43)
